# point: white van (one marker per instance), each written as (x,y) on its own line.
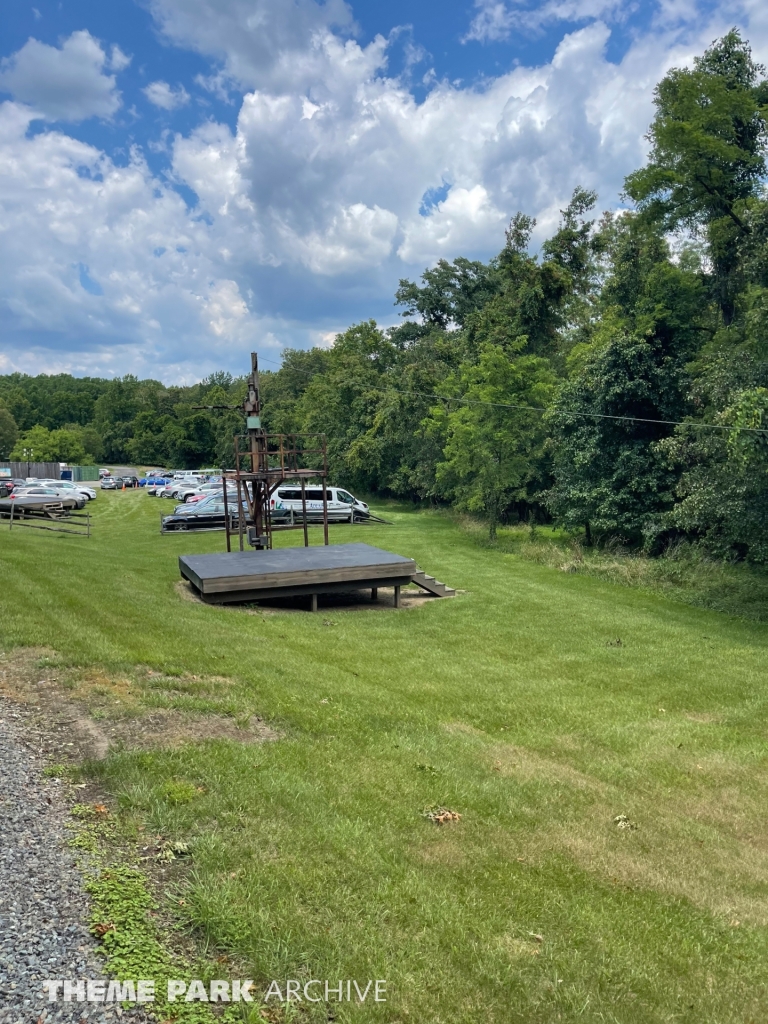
(285,503)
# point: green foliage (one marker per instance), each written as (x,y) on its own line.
(707,159)
(450,293)
(492,448)
(179,791)
(121,905)
(610,477)
(57,771)
(9,433)
(42,445)
(626,391)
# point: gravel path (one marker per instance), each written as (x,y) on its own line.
(43,909)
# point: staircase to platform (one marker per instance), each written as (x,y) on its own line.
(431,585)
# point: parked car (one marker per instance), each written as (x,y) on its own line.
(117,482)
(202,494)
(205,515)
(218,493)
(152,481)
(10,484)
(179,488)
(68,485)
(342,506)
(189,492)
(109,483)
(31,499)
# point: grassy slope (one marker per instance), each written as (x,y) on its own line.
(684,573)
(311,857)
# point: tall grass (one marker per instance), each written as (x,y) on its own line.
(683,572)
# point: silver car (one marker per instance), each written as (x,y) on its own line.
(72,488)
(35,497)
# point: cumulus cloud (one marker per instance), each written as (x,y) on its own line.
(66,84)
(333,181)
(492,22)
(463,221)
(97,258)
(165,97)
(260,43)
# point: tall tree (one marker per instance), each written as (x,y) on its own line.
(707,160)
(610,476)
(493,440)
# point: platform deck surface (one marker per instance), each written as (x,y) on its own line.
(312,566)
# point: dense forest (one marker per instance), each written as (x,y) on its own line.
(615,383)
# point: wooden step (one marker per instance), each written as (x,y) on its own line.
(431,585)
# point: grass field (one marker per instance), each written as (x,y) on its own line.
(538,704)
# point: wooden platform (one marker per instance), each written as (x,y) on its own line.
(287,572)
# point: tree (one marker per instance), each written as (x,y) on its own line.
(610,475)
(494,439)
(450,292)
(342,402)
(707,158)
(42,445)
(539,300)
(9,432)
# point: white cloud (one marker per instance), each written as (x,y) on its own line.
(357,236)
(496,19)
(261,43)
(66,84)
(218,84)
(493,22)
(464,220)
(162,95)
(119,61)
(165,294)
(333,180)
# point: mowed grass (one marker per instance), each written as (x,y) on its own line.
(537,704)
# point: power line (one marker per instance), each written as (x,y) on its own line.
(530,408)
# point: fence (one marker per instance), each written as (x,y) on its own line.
(50,517)
(77,473)
(39,470)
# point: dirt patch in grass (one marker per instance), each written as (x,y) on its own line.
(508,760)
(69,715)
(358,600)
(517,947)
(703,718)
(443,851)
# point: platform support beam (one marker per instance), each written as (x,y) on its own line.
(374,593)
(397,597)
(314,602)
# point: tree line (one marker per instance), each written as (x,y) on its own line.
(615,383)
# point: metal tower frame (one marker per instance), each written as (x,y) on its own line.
(262,462)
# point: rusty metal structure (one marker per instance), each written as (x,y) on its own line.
(264,461)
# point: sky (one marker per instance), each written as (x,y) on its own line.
(184,181)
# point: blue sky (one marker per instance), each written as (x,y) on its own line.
(184,180)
